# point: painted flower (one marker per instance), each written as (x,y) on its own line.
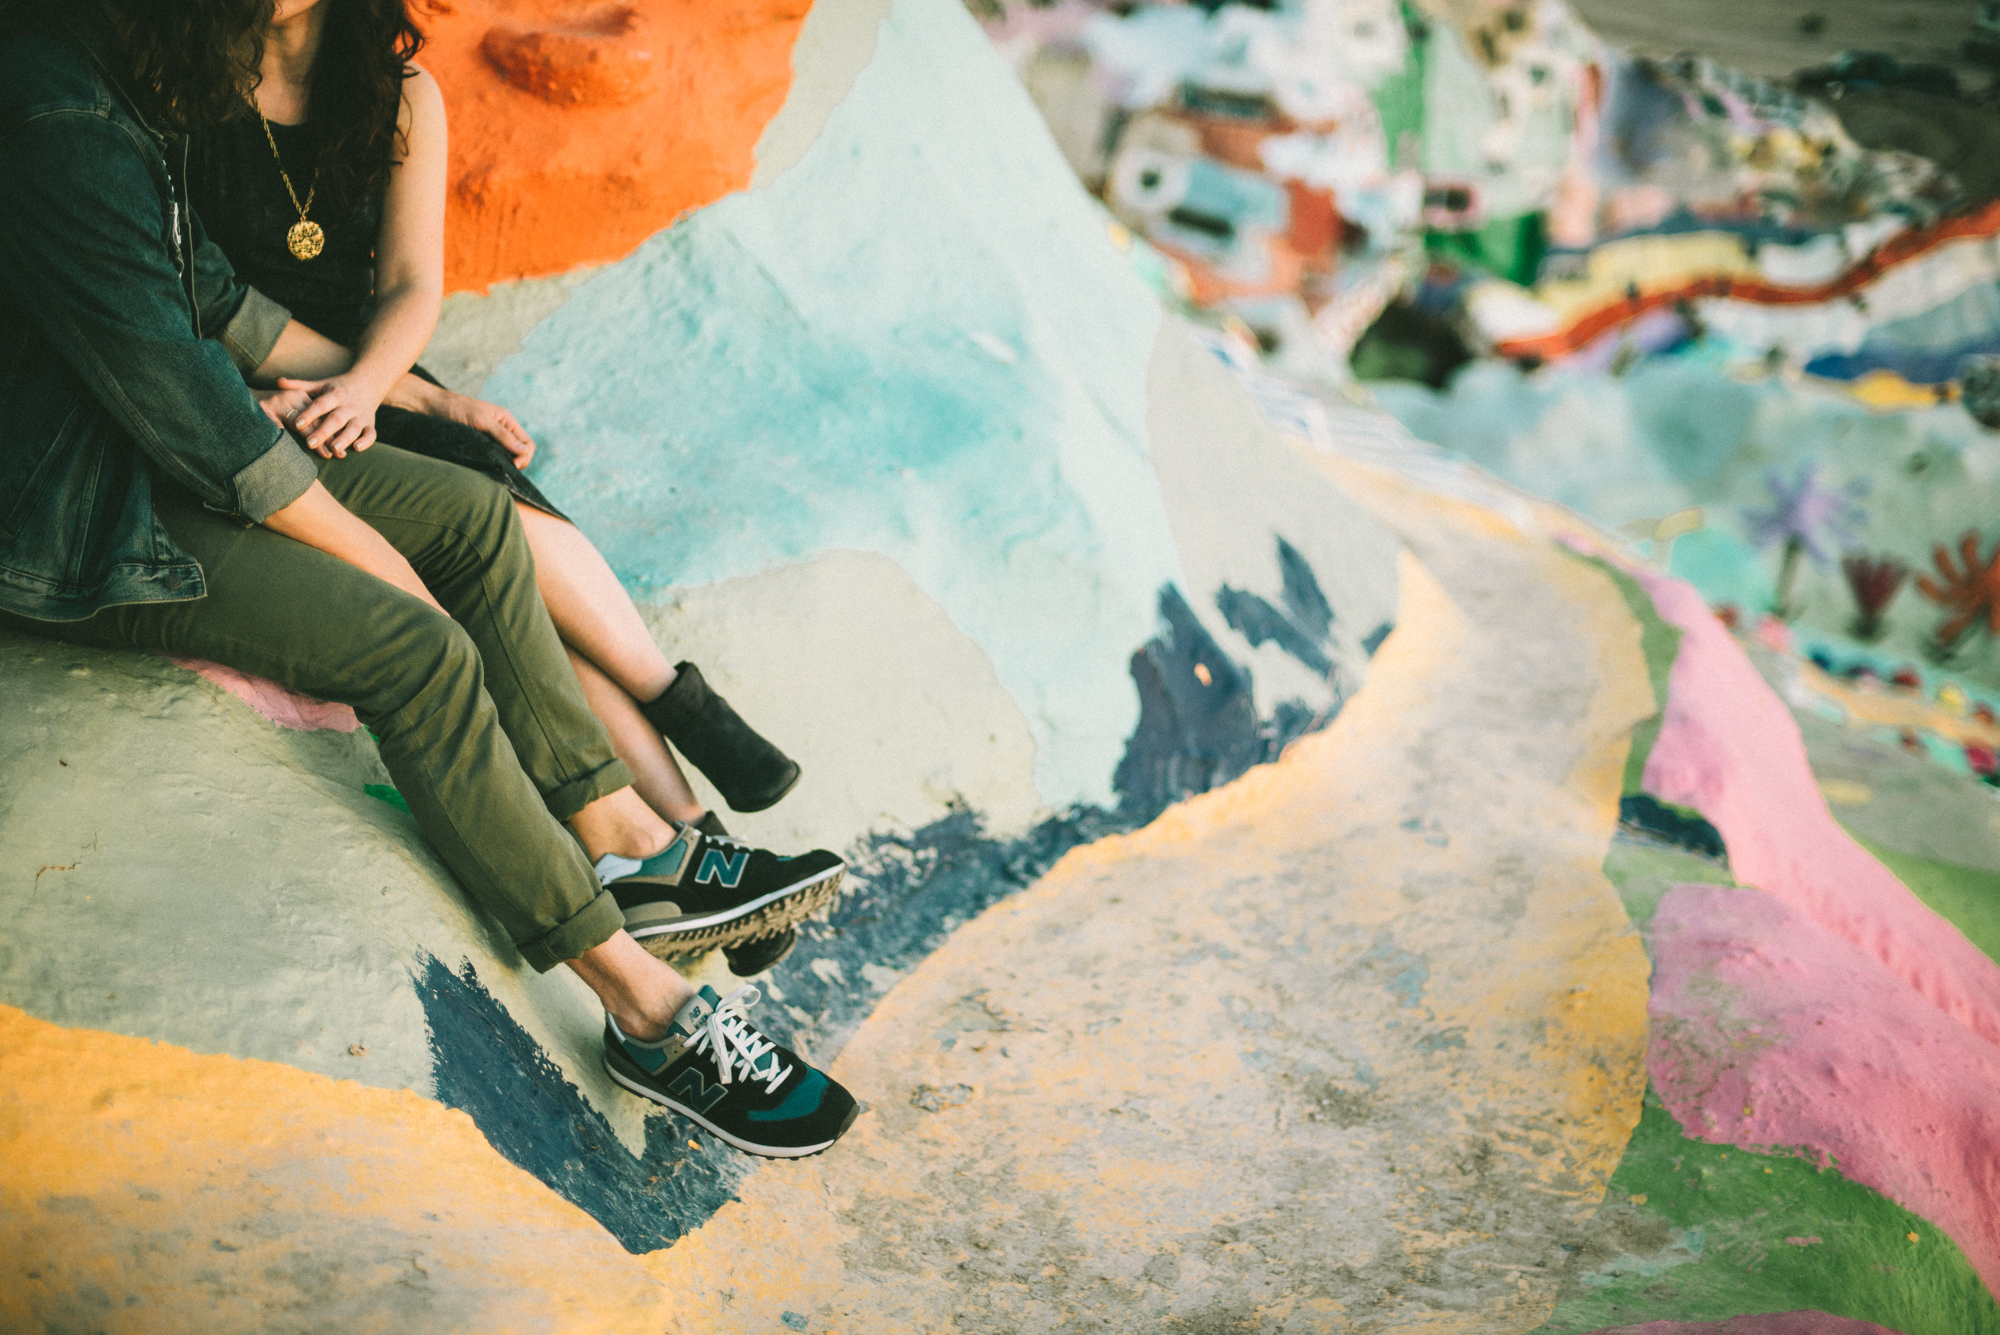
(1969,591)
(1821,520)
(1806,518)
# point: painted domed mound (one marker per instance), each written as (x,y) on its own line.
(1298,883)
(894,443)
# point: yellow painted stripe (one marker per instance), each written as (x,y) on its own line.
(153,1190)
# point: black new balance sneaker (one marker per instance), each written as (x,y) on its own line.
(706,890)
(714,1068)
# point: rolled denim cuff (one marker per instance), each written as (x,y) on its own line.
(593,925)
(569,798)
(274,479)
(253,331)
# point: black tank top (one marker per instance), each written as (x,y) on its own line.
(236,191)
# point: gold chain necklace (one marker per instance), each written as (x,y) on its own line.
(305,238)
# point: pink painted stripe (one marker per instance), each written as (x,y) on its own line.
(1730,749)
(280,704)
(1770,1030)
(1778,1323)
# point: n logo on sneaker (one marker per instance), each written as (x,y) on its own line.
(719,867)
(693,1089)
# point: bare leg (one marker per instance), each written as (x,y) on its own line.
(593,613)
(655,775)
(613,654)
(623,824)
(641,993)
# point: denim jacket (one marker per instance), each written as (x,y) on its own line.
(124,339)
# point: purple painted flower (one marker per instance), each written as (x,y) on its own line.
(1818,519)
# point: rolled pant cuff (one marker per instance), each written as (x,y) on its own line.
(592,925)
(574,796)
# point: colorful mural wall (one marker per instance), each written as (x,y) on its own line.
(1300,882)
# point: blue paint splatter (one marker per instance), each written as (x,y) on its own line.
(1404,976)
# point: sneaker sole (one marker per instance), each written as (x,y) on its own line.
(762,1151)
(764,917)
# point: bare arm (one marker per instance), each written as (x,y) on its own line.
(301,354)
(299,363)
(409,276)
(409,250)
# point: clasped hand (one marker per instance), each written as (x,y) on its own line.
(330,417)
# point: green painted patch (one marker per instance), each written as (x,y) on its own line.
(1966,897)
(1697,1232)
(1509,248)
(383,792)
(1660,644)
(1643,872)
(1399,98)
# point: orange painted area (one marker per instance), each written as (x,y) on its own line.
(152,1189)
(578,131)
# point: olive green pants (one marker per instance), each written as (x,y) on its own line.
(480,719)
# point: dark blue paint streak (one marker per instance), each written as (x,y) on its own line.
(488,1067)
(1260,623)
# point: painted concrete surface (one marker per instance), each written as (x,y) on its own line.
(578,133)
(153,1191)
(741,395)
(938,413)
(836,42)
(1770,1030)
(1778,1323)
(482,326)
(1694,1231)
(888,740)
(1684,431)
(1736,758)
(177,867)
(1347,1045)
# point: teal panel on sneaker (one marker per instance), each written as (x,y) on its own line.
(667,861)
(649,1059)
(802,1101)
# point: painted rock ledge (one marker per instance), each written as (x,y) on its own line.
(1299,883)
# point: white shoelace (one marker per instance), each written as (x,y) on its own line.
(727,1033)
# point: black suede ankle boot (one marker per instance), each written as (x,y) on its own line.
(753,957)
(749,772)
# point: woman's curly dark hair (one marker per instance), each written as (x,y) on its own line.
(364,55)
(186,63)
(192,65)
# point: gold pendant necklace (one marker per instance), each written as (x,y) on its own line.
(305,239)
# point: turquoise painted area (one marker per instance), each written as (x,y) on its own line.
(1726,569)
(919,341)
